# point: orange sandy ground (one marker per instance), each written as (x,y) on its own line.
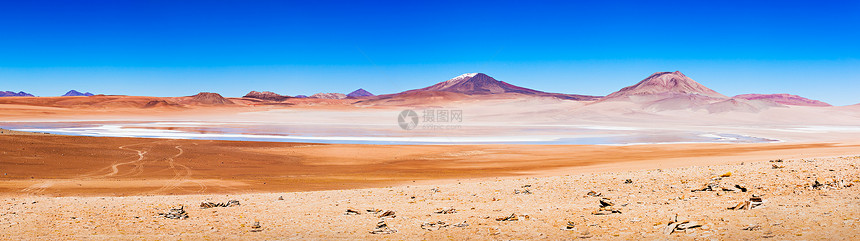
(98,166)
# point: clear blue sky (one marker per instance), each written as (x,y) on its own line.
(178,48)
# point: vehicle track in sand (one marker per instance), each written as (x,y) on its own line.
(114,168)
(182,174)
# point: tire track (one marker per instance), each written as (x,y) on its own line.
(182,175)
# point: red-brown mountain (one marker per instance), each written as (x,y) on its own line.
(663,91)
(666,83)
(482,84)
(785,99)
(266,95)
(207,98)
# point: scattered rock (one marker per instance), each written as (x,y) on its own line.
(230,203)
(747,205)
(628,181)
(350,211)
(606,211)
(524,191)
(824,184)
(373,210)
(775,166)
(727,174)
(446,211)
(433,226)
(606,208)
(256,227)
(436,189)
(605,202)
(175,213)
(777,160)
(281,198)
(388,214)
(679,226)
(594,194)
(461,225)
(712,186)
(570,226)
(752,227)
(382,228)
(512,217)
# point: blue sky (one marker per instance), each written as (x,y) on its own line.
(178,48)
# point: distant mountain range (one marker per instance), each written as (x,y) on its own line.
(76,93)
(13,94)
(659,91)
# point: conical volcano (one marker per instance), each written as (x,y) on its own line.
(662,83)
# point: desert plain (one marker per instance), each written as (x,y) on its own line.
(654,163)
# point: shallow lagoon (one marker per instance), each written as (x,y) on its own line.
(347,133)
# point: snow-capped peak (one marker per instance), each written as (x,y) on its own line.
(463,76)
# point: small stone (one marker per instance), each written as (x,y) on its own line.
(594,194)
(433,226)
(350,211)
(382,228)
(525,191)
(628,181)
(175,213)
(230,203)
(388,214)
(446,211)
(512,217)
(570,226)
(604,202)
(679,226)
(256,227)
(752,227)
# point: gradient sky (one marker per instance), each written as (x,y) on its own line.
(179,48)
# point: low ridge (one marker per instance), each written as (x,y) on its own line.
(336,96)
(785,99)
(266,95)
